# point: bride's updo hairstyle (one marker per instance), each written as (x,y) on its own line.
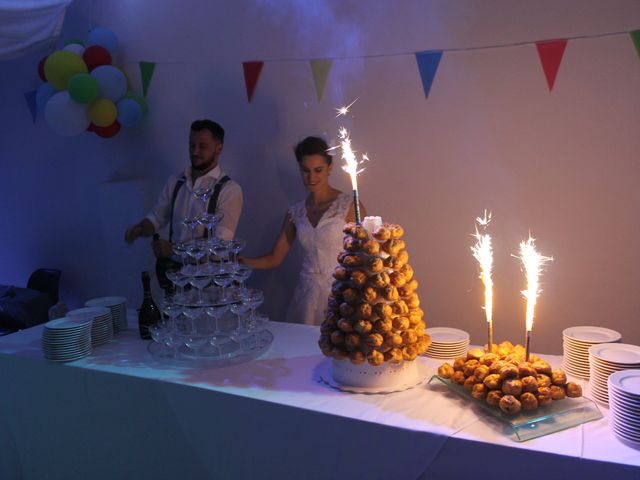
(312,146)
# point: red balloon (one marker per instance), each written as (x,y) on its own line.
(41,69)
(95,55)
(108,131)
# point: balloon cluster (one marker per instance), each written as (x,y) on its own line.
(83,91)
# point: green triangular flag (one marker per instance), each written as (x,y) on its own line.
(635,36)
(146,72)
(320,70)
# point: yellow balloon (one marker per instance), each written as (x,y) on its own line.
(60,66)
(103,112)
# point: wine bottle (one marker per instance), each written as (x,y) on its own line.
(149,313)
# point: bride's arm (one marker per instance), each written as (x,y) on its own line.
(278,252)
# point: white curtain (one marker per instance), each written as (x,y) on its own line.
(27,26)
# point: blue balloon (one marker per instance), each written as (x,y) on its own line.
(103,37)
(112,82)
(129,112)
(43,94)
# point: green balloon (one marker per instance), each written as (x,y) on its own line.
(83,88)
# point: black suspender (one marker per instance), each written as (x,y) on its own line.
(179,184)
(213,201)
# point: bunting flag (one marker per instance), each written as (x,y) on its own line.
(252,72)
(146,72)
(428,62)
(30,97)
(320,70)
(550,53)
(635,36)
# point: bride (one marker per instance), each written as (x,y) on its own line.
(317,222)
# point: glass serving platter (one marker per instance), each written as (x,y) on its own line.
(557,416)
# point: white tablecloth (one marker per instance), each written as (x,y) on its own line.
(121,414)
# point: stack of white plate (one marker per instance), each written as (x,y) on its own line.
(576,343)
(118,307)
(447,342)
(102,326)
(66,339)
(624,401)
(608,358)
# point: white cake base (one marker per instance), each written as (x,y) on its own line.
(385,376)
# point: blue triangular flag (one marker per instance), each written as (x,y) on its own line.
(428,65)
(30,97)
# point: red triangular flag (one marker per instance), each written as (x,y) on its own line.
(252,72)
(550,53)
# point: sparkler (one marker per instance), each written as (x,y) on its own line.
(483,253)
(533,262)
(351,163)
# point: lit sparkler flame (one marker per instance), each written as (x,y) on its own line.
(344,110)
(351,163)
(483,253)
(533,262)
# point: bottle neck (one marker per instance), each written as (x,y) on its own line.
(146,287)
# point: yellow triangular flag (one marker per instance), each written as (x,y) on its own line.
(320,70)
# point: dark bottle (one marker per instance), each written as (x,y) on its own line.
(149,313)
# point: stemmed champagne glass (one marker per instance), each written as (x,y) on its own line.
(210,221)
(253,298)
(223,277)
(235,246)
(192,223)
(217,312)
(179,279)
(171,308)
(241,274)
(180,249)
(221,249)
(194,339)
(197,250)
(241,332)
(204,190)
(200,282)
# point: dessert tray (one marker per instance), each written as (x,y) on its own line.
(557,416)
(325,375)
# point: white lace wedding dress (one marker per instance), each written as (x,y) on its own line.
(320,248)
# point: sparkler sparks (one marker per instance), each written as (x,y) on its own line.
(533,262)
(483,253)
(344,110)
(351,163)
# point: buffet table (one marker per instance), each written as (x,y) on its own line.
(119,413)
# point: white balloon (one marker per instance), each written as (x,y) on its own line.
(64,116)
(75,48)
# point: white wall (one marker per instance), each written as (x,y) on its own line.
(491,135)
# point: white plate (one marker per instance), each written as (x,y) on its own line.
(627,431)
(67,323)
(106,302)
(626,381)
(589,334)
(616,354)
(625,418)
(446,335)
(622,406)
(96,312)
